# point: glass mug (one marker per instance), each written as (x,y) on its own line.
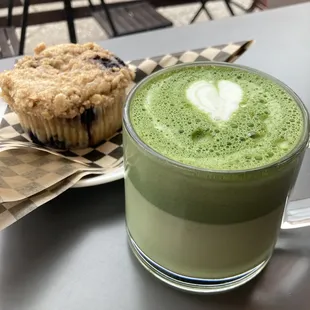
(203,230)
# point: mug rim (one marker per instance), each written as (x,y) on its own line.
(302,143)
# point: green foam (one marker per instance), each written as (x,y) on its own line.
(267,125)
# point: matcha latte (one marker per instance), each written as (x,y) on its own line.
(211,154)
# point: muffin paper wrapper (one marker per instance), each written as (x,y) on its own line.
(74,131)
(31,175)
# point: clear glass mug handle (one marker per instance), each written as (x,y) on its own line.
(297,214)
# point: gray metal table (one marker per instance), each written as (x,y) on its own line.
(72,253)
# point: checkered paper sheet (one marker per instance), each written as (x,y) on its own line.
(31,175)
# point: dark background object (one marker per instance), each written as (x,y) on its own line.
(128,18)
(117,19)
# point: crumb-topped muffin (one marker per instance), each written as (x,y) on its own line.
(68,95)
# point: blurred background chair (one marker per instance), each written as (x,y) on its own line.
(125,18)
(229,4)
(115,18)
(9,45)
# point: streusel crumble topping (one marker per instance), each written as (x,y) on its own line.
(64,80)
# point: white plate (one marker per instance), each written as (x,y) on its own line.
(114,175)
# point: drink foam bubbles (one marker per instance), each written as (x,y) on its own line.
(216,118)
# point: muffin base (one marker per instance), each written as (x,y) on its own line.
(89,129)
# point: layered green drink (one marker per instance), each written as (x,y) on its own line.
(212,152)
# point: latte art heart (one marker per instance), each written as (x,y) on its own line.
(219,100)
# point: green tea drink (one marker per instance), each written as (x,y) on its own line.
(211,155)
